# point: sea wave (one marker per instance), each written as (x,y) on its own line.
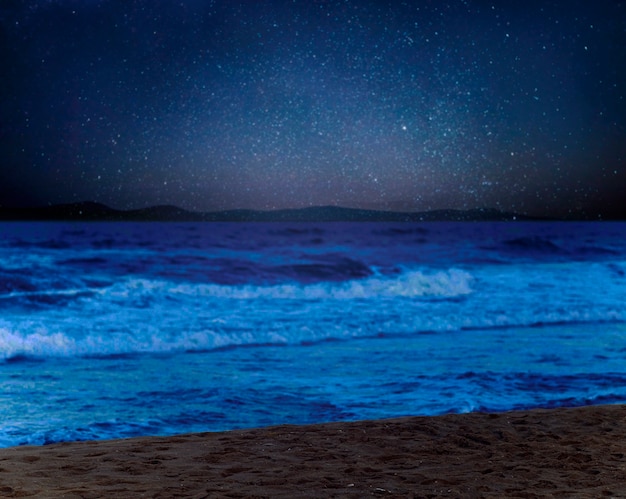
(144,315)
(442,284)
(140,315)
(412,284)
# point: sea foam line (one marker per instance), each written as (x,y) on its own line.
(441,284)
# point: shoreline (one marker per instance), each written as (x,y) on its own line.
(565,452)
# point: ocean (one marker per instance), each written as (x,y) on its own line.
(111,330)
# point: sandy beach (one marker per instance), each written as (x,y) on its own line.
(578,452)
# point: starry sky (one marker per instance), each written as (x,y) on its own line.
(268,104)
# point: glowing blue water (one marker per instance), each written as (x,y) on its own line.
(123,329)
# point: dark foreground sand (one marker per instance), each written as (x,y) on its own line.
(544,453)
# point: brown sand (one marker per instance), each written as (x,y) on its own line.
(544,453)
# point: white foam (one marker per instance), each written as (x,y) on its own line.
(409,284)
(40,343)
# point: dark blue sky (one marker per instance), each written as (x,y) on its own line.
(412,105)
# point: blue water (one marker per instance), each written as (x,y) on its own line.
(122,329)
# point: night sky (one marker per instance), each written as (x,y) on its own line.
(390,105)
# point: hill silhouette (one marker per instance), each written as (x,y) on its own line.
(91,211)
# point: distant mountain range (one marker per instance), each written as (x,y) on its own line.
(90,211)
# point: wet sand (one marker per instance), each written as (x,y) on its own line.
(577,452)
